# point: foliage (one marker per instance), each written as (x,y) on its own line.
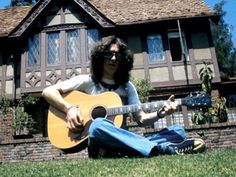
(218,112)
(206,76)
(22,2)
(222,37)
(214,163)
(198,117)
(143,87)
(5,104)
(22,122)
(215,114)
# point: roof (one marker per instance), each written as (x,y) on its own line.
(121,12)
(11,17)
(132,11)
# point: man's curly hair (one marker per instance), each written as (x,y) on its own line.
(97,59)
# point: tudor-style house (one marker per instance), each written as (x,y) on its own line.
(49,42)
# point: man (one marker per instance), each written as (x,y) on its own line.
(111,62)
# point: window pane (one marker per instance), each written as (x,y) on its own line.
(175,46)
(155,48)
(73,48)
(93,37)
(175,49)
(33,54)
(53,56)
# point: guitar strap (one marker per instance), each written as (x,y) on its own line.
(124,98)
(109,87)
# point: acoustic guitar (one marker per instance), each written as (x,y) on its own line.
(107,105)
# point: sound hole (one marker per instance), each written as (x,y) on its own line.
(98,112)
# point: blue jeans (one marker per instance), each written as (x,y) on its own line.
(103,134)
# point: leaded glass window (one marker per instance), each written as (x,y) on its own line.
(33,53)
(155,48)
(73,48)
(53,53)
(93,37)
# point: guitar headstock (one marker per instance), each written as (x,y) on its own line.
(197,99)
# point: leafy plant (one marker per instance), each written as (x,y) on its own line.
(5,104)
(23,123)
(218,112)
(143,87)
(206,76)
(198,117)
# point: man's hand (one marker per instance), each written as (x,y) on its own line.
(168,108)
(74,119)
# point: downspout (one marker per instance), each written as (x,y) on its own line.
(183,53)
(13,60)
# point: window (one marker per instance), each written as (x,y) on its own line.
(75,44)
(33,53)
(92,38)
(53,53)
(155,48)
(73,47)
(175,46)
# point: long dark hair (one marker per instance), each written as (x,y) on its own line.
(97,59)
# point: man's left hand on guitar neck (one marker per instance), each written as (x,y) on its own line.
(168,108)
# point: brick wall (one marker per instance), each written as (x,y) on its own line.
(34,150)
(6,130)
(40,149)
(216,136)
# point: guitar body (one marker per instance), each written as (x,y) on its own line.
(58,133)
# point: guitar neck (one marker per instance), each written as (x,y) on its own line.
(146,107)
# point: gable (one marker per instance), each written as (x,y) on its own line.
(53,7)
(69,15)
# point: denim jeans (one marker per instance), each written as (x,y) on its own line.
(103,134)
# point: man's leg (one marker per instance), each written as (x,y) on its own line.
(173,134)
(103,134)
(175,137)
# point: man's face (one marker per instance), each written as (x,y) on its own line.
(111,61)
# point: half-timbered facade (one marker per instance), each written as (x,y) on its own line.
(51,41)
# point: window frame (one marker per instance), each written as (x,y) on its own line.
(159,35)
(176,34)
(59,49)
(79,61)
(83,43)
(39,51)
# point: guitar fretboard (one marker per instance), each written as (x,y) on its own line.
(146,107)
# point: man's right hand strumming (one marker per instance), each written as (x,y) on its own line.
(74,119)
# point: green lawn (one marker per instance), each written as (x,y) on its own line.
(217,163)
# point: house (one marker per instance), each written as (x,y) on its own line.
(50,42)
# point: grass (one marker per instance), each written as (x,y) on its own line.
(215,163)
